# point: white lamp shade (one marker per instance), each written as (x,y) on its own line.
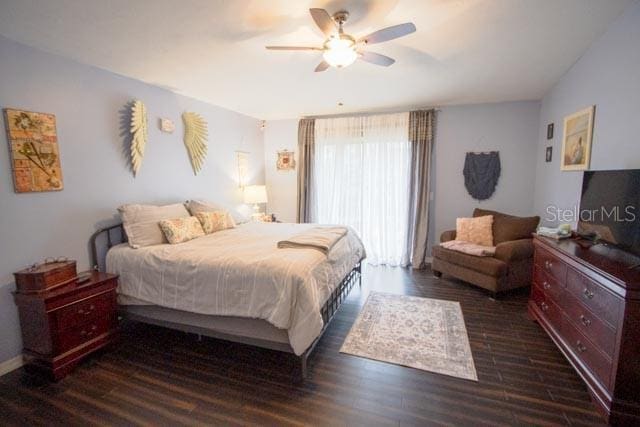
(255,194)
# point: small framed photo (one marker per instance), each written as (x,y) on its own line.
(286,160)
(548,156)
(550,131)
(576,141)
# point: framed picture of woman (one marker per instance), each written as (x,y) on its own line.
(576,141)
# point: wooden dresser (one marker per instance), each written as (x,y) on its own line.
(587,299)
(67,323)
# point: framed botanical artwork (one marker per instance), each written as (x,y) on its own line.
(35,157)
(576,141)
(286,160)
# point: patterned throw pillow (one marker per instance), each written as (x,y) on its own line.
(478,230)
(181,230)
(215,221)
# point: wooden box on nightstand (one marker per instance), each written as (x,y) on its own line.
(63,325)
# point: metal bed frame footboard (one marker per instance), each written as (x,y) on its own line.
(115,234)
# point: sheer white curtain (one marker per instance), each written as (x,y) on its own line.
(361,178)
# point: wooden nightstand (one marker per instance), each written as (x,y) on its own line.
(63,325)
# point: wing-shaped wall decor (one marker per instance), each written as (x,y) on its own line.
(139,132)
(195,139)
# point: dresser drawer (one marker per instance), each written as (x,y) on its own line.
(550,286)
(553,266)
(85,310)
(598,331)
(595,297)
(587,352)
(75,336)
(549,309)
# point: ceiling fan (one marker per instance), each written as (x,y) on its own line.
(340,49)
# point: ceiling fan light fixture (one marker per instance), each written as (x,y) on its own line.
(340,51)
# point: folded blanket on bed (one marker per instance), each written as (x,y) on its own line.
(469,248)
(320,238)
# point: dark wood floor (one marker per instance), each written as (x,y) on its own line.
(163,377)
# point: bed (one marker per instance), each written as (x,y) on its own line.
(234,284)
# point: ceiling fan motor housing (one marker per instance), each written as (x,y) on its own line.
(341,17)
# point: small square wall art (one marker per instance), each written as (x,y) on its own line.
(286,160)
(35,157)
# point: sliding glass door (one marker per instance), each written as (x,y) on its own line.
(361,178)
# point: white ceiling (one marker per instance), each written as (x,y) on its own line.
(464,51)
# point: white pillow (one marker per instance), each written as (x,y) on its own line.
(141,222)
(197,206)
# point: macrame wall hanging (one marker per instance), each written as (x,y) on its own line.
(481,174)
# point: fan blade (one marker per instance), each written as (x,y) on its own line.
(376,58)
(292,48)
(322,66)
(323,21)
(389,33)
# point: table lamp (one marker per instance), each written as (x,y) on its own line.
(254,194)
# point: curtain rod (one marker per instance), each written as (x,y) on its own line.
(372,113)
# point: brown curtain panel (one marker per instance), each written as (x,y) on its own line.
(306,147)
(421,124)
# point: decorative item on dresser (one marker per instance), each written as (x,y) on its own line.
(587,298)
(64,324)
(53,272)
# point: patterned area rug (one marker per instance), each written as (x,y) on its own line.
(422,333)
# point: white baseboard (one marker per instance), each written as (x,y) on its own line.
(11,365)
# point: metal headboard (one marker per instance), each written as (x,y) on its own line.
(101,241)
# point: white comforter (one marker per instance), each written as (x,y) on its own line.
(240,272)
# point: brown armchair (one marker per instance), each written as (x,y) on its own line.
(509,268)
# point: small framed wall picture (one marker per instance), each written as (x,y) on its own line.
(550,131)
(286,160)
(548,155)
(576,141)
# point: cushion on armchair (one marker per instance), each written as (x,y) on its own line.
(476,230)
(509,227)
(490,266)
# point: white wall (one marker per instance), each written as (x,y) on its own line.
(607,76)
(281,185)
(92,131)
(510,128)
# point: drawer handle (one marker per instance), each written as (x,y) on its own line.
(90,332)
(581,348)
(544,306)
(587,293)
(88,311)
(546,286)
(584,320)
(548,264)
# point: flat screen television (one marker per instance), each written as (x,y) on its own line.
(610,208)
